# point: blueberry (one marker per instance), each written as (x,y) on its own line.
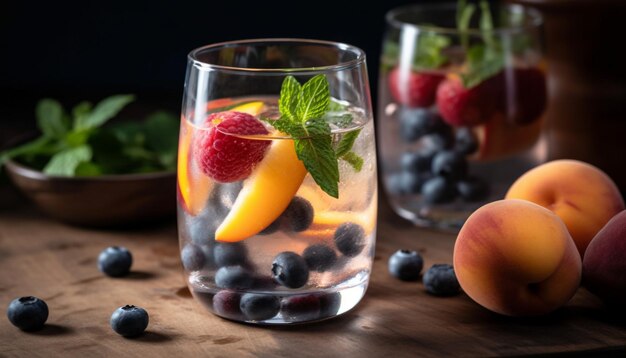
(201,229)
(234,277)
(319,257)
(450,164)
(350,239)
(406,265)
(418,162)
(405,183)
(473,189)
(416,122)
(129,321)
(271,228)
(28,313)
(301,308)
(438,190)
(115,261)
(441,138)
(466,141)
(329,304)
(230,253)
(299,214)
(226,304)
(259,307)
(290,270)
(193,257)
(440,280)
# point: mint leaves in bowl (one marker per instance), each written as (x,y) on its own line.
(85,170)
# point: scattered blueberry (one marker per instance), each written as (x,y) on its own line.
(28,313)
(440,280)
(301,308)
(406,265)
(129,321)
(319,257)
(259,307)
(449,164)
(417,162)
(299,214)
(230,253)
(466,141)
(442,137)
(115,261)
(416,122)
(350,239)
(193,257)
(329,304)
(473,189)
(234,277)
(290,270)
(438,190)
(226,304)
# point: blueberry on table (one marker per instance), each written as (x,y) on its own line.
(234,277)
(416,122)
(299,214)
(466,141)
(193,257)
(440,280)
(350,239)
(406,265)
(438,190)
(290,270)
(129,321)
(319,257)
(115,261)
(28,313)
(450,164)
(259,307)
(473,189)
(230,253)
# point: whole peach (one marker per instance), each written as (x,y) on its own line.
(516,258)
(583,196)
(604,264)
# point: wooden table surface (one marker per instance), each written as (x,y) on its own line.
(57,263)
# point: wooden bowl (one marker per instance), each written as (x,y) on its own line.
(99,201)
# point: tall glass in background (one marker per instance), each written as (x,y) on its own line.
(262,241)
(462,95)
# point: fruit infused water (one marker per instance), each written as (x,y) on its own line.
(277,212)
(461,108)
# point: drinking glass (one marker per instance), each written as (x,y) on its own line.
(462,96)
(277,191)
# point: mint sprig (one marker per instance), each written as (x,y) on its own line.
(304,110)
(428,53)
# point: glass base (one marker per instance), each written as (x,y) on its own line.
(292,307)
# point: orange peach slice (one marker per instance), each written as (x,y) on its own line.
(266,193)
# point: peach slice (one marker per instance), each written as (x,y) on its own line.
(266,193)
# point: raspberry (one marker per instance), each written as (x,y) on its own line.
(417,89)
(226,157)
(460,106)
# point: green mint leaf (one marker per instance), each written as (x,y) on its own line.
(161,130)
(102,112)
(482,63)
(82,109)
(354,160)
(50,118)
(429,51)
(346,142)
(289,97)
(35,147)
(88,169)
(464,16)
(64,163)
(317,154)
(314,99)
(486,24)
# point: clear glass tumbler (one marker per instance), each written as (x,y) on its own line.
(277,191)
(462,94)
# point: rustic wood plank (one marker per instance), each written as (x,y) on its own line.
(58,263)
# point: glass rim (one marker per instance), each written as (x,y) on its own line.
(340,66)
(536,19)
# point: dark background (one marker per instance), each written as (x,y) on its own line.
(94,49)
